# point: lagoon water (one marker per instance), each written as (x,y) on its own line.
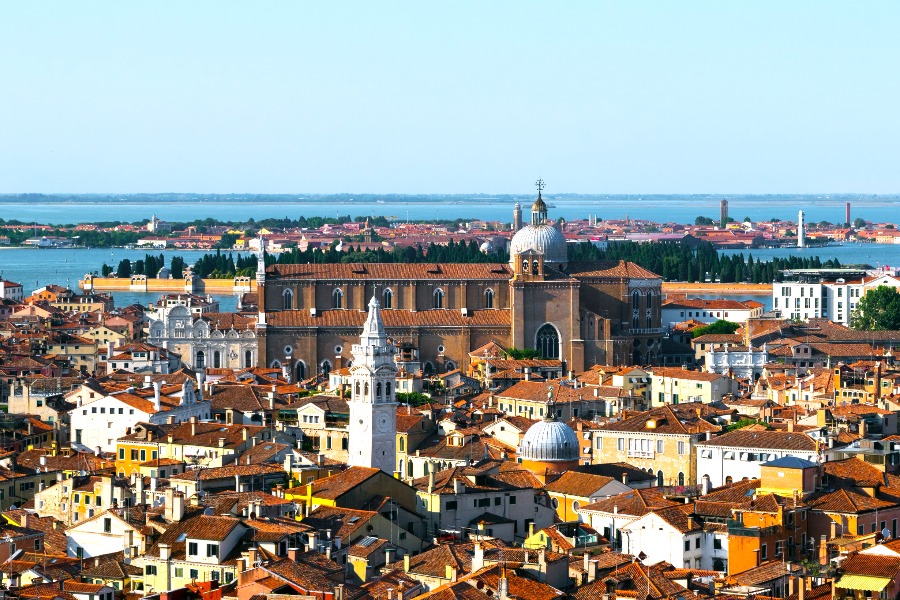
(659,208)
(36,268)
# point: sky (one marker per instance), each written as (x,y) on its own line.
(449,97)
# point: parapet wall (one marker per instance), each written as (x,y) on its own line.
(191,285)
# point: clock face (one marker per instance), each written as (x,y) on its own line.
(383,424)
(364,424)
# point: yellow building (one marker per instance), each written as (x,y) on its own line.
(661,441)
(674,386)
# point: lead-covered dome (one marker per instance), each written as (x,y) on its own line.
(543,238)
(549,441)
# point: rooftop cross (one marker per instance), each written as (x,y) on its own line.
(539,184)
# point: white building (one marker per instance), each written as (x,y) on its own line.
(738,454)
(739,361)
(825,293)
(679,310)
(96,423)
(204,340)
(666,534)
(373,415)
(105,533)
(11,291)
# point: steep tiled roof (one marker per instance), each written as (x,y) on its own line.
(847,501)
(873,565)
(336,486)
(392,318)
(855,472)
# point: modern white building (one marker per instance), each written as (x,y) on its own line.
(737,455)
(678,310)
(825,293)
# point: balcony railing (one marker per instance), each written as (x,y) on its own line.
(641,454)
(645,331)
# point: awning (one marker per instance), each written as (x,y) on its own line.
(863,582)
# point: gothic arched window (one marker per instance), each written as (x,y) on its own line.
(337,299)
(287,300)
(439,298)
(387,390)
(534,267)
(635,309)
(387,299)
(366,389)
(326,368)
(489,298)
(659,478)
(548,341)
(300,370)
(649,310)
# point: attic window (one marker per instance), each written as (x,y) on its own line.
(181,537)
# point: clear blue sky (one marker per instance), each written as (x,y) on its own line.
(453,97)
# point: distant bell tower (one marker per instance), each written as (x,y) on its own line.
(723,214)
(373,411)
(517,217)
(261,283)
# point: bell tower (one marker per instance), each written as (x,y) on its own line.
(373,410)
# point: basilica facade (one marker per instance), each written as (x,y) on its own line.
(583,313)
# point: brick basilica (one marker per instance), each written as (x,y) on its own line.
(583,313)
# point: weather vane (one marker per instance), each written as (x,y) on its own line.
(539,184)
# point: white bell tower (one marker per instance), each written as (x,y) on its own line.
(373,411)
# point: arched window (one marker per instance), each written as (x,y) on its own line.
(428,368)
(248,359)
(409,467)
(402,447)
(450,365)
(326,368)
(387,299)
(217,359)
(680,478)
(366,389)
(201,360)
(378,390)
(649,311)
(287,300)
(357,388)
(439,298)
(534,267)
(659,478)
(548,341)
(337,299)
(300,370)
(489,298)
(729,480)
(387,390)
(635,310)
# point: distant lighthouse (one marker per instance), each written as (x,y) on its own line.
(801,231)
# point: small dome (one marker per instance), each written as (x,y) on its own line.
(549,440)
(539,205)
(543,238)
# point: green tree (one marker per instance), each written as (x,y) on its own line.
(701,220)
(177,267)
(124,268)
(720,326)
(522,353)
(227,241)
(877,310)
(859,223)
